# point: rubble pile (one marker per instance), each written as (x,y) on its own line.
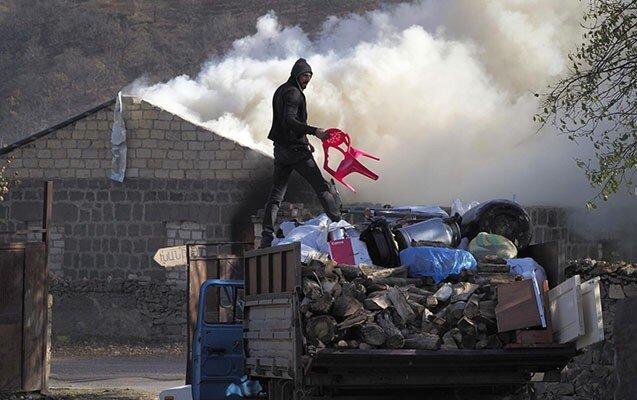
(597,372)
(366,306)
(618,272)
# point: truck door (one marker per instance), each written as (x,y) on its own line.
(218,341)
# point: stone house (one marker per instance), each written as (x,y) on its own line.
(183,183)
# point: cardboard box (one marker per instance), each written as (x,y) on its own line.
(349,251)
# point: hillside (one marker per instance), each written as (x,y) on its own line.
(59,58)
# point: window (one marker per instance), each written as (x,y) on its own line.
(224,305)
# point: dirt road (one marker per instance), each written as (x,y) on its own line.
(140,373)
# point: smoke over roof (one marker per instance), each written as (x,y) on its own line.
(441,91)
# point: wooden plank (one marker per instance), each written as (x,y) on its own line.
(290,273)
(267,312)
(11,311)
(517,306)
(592,311)
(269,324)
(277,272)
(566,310)
(270,345)
(34,328)
(252,280)
(46,225)
(265,266)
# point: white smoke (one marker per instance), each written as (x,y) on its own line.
(442,92)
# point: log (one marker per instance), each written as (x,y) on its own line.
(487,309)
(467,327)
(394,338)
(400,304)
(472,309)
(457,336)
(354,290)
(422,341)
(432,302)
(447,342)
(393,281)
(345,306)
(454,312)
(440,318)
(321,305)
(398,272)
(353,320)
(350,272)
(419,291)
(373,335)
(500,279)
(444,293)
(311,288)
(494,342)
(376,287)
(482,344)
(462,291)
(468,342)
(331,286)
(377,302)
(427,316)
(321,328)
(414,296)
(417,307)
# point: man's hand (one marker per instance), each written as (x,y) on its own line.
(321,134)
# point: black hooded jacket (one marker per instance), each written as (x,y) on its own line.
(289,121)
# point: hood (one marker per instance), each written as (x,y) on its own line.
(300,67)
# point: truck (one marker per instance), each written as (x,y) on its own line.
(249,342)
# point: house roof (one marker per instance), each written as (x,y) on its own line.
(38,135)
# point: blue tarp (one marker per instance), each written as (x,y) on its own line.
(438,262)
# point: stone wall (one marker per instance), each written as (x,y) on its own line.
(178,174)
(122,308)
(605,370)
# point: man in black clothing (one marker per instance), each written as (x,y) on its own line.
(292,150)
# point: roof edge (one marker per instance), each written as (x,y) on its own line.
(8,149)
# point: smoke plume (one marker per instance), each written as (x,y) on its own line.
(442,92)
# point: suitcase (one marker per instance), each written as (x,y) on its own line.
(380,243)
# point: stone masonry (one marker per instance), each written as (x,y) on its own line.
(177,173)
(183,184)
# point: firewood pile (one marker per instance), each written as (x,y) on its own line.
(367,307)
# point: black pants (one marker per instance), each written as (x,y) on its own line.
(301,160)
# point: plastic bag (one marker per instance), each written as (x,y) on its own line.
(525,267)
(312,235)
(458,207)
(486,244)
(438,262)
(502,217)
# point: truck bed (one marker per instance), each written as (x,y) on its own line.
(274,343)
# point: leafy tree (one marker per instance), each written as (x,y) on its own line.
(597,100)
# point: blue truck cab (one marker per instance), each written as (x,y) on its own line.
(217,352)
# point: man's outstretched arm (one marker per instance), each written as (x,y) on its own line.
(292,100)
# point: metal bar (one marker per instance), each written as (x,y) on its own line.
(35,136)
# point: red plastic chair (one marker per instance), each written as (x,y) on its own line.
(350,161)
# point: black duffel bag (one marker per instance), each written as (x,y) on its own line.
(380,242)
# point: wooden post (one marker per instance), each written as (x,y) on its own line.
(46,238)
